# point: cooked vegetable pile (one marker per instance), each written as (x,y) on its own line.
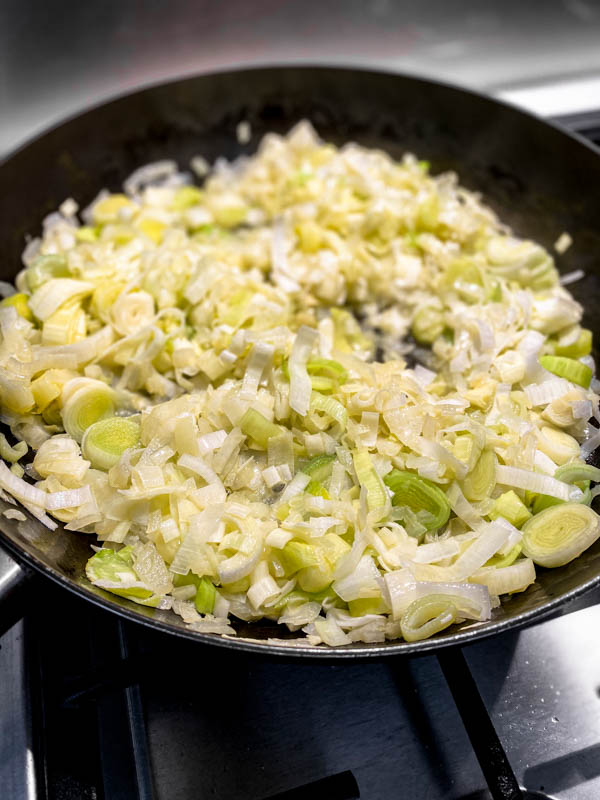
(325,388)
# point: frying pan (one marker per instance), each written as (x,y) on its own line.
(540,179)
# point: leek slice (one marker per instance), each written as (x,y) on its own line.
(328,550)
(419,494)
(297,555)
(367,605)
(329,406)
(317,490)
(377,496)
(581,347)
(105,441)
(19,301)
(90,403)
(559,534)
(510,506)
(479,483)
(206,595)
(574,473)
(428,615)
(258,428)
(44,268)
(500,561)
(113,571)
(327,368)
(427,325)
(568,368)
(319,468)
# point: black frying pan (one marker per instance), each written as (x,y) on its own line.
(540,179)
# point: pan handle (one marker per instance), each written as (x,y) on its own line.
(15,587)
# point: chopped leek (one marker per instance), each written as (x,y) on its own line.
(256,434)
(105,441)
(328,405)
(568,368)
(427,616)
(44,268)
(89,403)
(582,346)
(377,496)
(114,572)
(419,494)
(510,506)
(205,597)
(481,480)
(258,428)
(319,468)
(560,533)
(19,301)
(575,473)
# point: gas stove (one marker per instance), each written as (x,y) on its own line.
(94,708)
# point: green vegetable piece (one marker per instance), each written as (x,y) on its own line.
(186,197)
(499,561)
(105,441)
(574,473)
(117,567)
(366,605)
(427,325)
(419,494)
(327,368)
(87,405)
(543,501)
(319,468)
(205,597)
(481,480)
(559,534)
(44,268)
(297,555)
(368,478)
(19,301)
(568,368)
(581,347)
(328,549)
(329,406)
(510,506)
(258,428)
(317,490)
(427,616)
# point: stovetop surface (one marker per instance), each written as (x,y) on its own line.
(121,712)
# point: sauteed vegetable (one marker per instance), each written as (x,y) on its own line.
(324,387)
